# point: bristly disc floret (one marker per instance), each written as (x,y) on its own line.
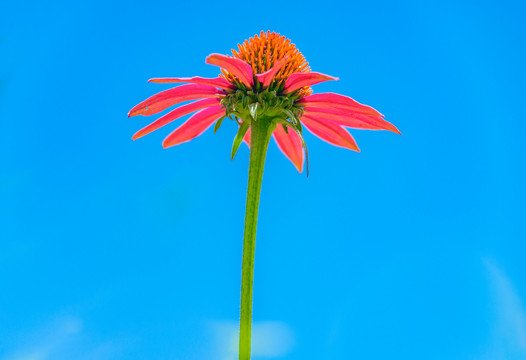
(263,52)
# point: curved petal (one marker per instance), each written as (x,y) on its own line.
(167,98)
(333,100)
(266,78)
(236,67)
(216,82)
(194,126)
(353,120)
(302,79)
(246,138)
(175,114)
(290,145)
(331,132)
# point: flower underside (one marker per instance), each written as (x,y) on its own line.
(253,105)
(267,105)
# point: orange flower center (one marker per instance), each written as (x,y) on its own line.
(263,51)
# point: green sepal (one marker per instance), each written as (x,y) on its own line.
(290,115)
(253,109)
(306,152)
(218,123)
(300,127)
(243,127)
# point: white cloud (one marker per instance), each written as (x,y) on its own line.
(60,339)
(509,334)
(270,339)
(40,346)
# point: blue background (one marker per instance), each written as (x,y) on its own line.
(114,249)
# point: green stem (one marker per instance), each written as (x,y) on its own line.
(261,130)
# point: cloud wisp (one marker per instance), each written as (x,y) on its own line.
(509,333)
(61,338)
(270,339)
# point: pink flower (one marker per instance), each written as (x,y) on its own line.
(267,77)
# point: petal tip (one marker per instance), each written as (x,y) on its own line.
(353,146)
(214,56)
(392,128)
(137,135)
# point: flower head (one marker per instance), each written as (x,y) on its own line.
(266,78)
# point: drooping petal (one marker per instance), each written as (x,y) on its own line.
(349,119)
(194,126)
(266,78)
(333,100)
(236,67)
(302,79)
(331,132)
(175,114)
(246,138)
(216,82)
(290,145)
(167,98)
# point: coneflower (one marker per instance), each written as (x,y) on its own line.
(265,88)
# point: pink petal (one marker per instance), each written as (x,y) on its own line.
(167,98)
(353,120)
(331,132)
(175,114)
(302,79)
(217,82)
(236,67)
(246,138)
(290,145)
(194,126)
(267,77)
(336,101)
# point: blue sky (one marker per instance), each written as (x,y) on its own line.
(114,249)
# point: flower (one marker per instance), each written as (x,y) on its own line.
(266,77)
